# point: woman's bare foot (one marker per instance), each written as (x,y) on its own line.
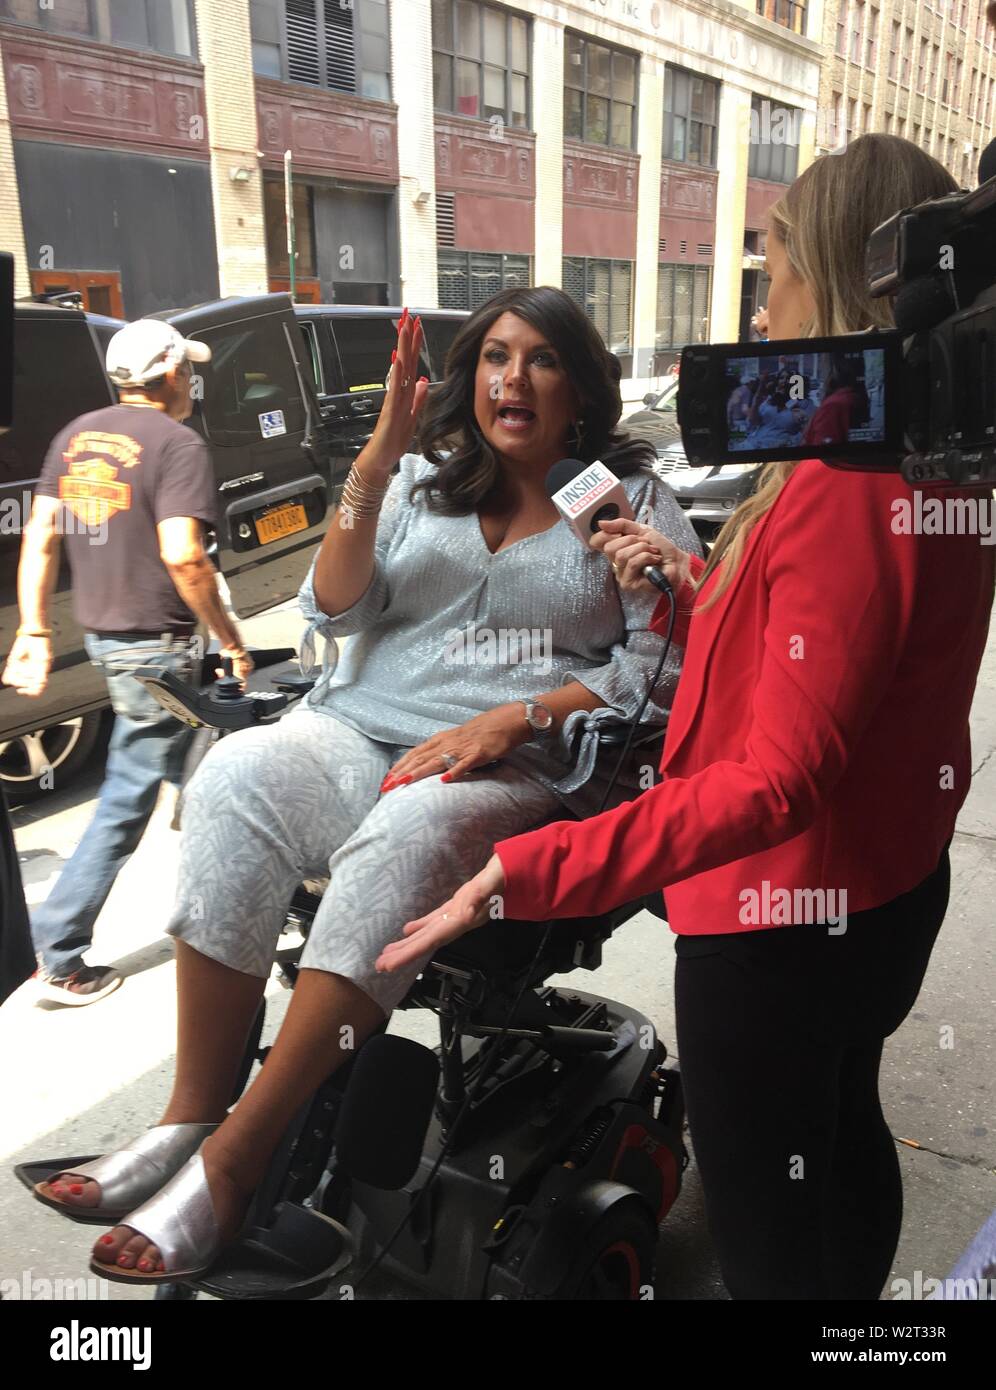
(229,1197)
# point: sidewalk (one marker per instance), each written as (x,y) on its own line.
(81,1081)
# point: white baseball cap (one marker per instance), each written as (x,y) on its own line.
(144,350)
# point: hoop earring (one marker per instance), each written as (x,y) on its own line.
(578,435)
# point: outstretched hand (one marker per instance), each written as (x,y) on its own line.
(470,906)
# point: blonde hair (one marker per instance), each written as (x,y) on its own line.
(824,220)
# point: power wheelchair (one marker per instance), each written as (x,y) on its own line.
(532,1155)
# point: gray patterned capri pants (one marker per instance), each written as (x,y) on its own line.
(271,806)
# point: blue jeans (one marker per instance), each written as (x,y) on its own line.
(148,746)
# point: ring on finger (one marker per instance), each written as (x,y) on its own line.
(449,759)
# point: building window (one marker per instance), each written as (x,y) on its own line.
(894,46)
(164,26)
(691,114)
(907,58)
(604,290)
(599,93)
(480,62)
(789,13)
(871,39)
(921,71)
(322,43)
(468,279)
(841,28)
(857,31)
(935,71)
(774,141)
(683,293)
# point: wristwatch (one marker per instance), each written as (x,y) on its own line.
(539,716)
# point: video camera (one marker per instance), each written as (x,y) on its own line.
(919,399)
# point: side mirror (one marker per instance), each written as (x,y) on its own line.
(649,398)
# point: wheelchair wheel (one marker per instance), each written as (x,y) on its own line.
(614,1261)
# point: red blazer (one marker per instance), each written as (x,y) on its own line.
(819,736)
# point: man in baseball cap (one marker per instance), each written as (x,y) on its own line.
(140,490)
(145,350)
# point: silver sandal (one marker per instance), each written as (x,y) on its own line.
(128,1176)
(180,1221)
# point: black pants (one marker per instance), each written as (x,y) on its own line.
(780,1038)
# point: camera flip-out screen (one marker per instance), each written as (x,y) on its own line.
(793,398)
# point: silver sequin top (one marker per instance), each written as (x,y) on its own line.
(447,630)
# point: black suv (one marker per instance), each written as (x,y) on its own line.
(290,397)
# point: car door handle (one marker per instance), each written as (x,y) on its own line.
(362,406)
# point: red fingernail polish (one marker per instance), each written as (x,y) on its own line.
(418,321)
(76,1189)
(446,777)
(387,784)
(423,378)
(394,356)
(107,1240)
(404,315)
(402,781)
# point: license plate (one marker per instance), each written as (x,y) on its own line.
(282,521)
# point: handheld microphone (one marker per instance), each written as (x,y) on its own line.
(587,493)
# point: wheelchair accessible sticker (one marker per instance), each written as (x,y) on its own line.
(271,422)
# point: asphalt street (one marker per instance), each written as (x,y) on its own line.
(82,1081)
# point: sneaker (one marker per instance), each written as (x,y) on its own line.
(84,986)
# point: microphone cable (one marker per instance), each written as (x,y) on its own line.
(500,1037)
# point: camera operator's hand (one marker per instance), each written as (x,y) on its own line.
(630,547)
(28,665)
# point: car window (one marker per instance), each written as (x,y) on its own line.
(57,376)
(250,386)
(439,334)
(312,356)
(365,346)
(668,399)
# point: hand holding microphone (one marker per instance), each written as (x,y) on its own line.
(588,497)
(630,548)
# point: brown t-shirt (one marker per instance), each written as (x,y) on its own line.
(120,471)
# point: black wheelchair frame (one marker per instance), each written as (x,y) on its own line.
(551,1151)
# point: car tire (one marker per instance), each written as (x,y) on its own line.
(48,759)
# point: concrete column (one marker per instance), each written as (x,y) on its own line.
(411,65)
(548,122)
(731,210)
(11,226)
(225,48)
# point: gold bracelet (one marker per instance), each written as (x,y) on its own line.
(34,632)
(361,497)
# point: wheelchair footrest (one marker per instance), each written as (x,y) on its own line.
(295,1257)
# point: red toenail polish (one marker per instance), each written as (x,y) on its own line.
(107,1240)
(143,1264)
(76,1188)
(122,1259)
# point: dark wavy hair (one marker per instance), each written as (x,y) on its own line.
(471,474)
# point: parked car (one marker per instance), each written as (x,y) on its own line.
(290,397)
(708,494)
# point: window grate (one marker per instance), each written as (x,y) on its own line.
(704,248)
(302,42)
(340,54)
(662,245)
(445,219)
(683,248)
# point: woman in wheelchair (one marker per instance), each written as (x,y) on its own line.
(483,636)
